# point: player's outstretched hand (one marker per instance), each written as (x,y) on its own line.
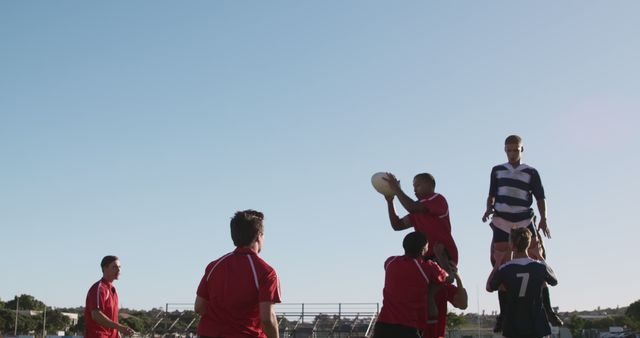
(126,331)
(394,184)
(486,215)
(544,227)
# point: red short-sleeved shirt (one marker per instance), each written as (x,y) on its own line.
(437,330)
(233,286)
(405,290)
(101,296)
(435,224)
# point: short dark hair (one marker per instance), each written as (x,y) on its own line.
(427,177)
(520,238)
(106,260)
(513,139)
(413,244)
(246,226)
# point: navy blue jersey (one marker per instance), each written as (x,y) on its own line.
(524,315)
(514,189)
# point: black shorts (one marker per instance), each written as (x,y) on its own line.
(384,330)
(500,235)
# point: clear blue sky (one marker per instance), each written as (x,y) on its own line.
(138,128)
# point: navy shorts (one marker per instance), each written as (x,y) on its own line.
(500,235)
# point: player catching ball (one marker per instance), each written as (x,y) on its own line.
(429,215)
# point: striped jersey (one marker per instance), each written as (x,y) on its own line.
(514,190)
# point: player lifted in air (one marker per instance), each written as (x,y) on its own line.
(512,189)
(428,215)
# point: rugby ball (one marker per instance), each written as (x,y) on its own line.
(380,184)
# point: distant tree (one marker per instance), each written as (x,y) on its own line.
(633,311)
(626,322)
(26,324)
(79,309)
(148,318)
(188,316)
(454,322)
(9,319)
(27,302)
(2,322)
(576,325)
(6,318)
(151,318)
(78,329)
(135,323)
(56,321)
(600,324)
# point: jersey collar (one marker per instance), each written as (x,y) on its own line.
(244,251)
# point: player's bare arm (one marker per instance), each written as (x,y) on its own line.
(542,209)
(460,299)
(489,211)
(396,222)
(407,202)
(103,320)
(269,320)
(492,284)
(490,287)
(200,305)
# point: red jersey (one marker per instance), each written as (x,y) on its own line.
(234,285)
(405,290)
(101,296)
(446,294)
(435,224)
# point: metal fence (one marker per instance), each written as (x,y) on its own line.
(319,320)
(295,320)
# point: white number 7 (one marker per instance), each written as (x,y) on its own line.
(523,285)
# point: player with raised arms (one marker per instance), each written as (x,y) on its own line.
(429,215)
